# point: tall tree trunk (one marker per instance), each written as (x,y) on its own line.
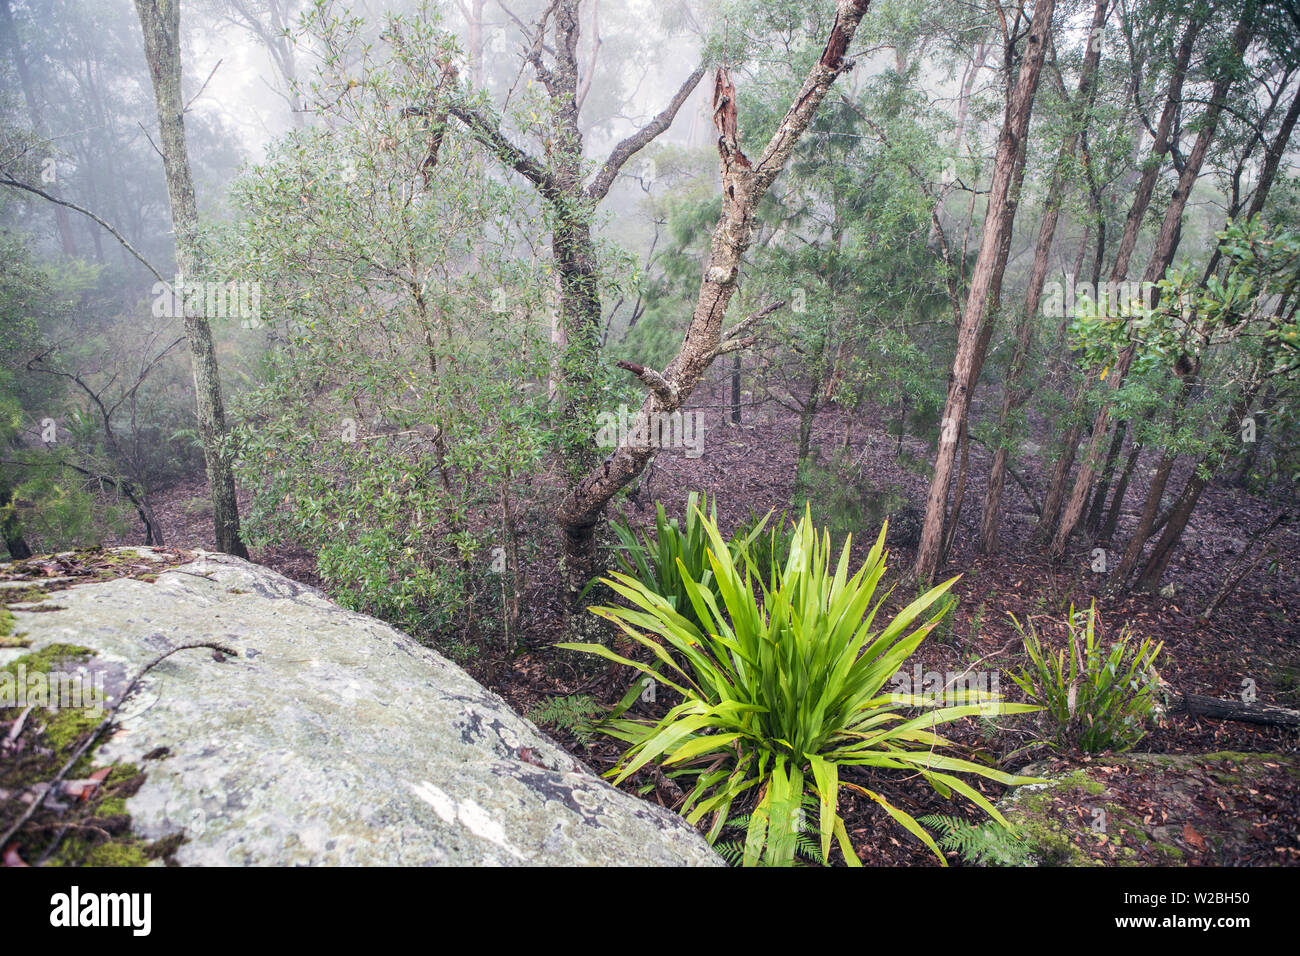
(559,179)
(1106,533)
(1098,509)
(1161,258)
(744,183)
(960,383)
(1159,147)
(1273,157)
(1181,511)
(1013,396)
(160,24)
(61,218)
(807,415)
(473,13)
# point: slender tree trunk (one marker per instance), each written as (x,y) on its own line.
(474,16)
(1185,504)
(1146,522)
(1098,509)
(1106,533)
(1242,567)
(1161,258)
(960,382)
(1159,147)
(160,24)
(807,415)
(735,390)
(959,496)
(1273,157)
(1158,560)
(1013,396)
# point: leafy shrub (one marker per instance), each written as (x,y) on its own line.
(57,511)
(1093,698)
(782,689)
(847,501)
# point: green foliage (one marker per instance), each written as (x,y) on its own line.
(782,688)
(401,414)
(845,501)
(1093,698)
(807,844)
(982,844)
(59,512)
(770,549)
(573,713)
(675,555)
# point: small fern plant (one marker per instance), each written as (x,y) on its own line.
(573,714)
(982,844)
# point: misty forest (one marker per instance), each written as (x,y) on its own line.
(822,420)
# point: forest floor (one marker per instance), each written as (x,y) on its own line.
(1253,641)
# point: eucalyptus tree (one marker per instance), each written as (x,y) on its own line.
(570,197)
(1225,73)
(1013,393)
(745,182)
(160,25)
(987,271)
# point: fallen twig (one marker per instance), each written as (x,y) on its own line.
(101,727)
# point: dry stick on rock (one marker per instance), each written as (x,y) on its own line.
(101,727)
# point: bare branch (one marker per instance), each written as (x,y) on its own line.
(832,63)
(641,138)
(6,180)
(203,87)
(744,324)
(488,132)
(660,386)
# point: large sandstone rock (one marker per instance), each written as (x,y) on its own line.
(331,738)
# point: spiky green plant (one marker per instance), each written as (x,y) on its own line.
(654,561)
(807,849)
(1093,698)
(782,689)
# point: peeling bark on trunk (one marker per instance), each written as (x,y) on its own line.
(744,183)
